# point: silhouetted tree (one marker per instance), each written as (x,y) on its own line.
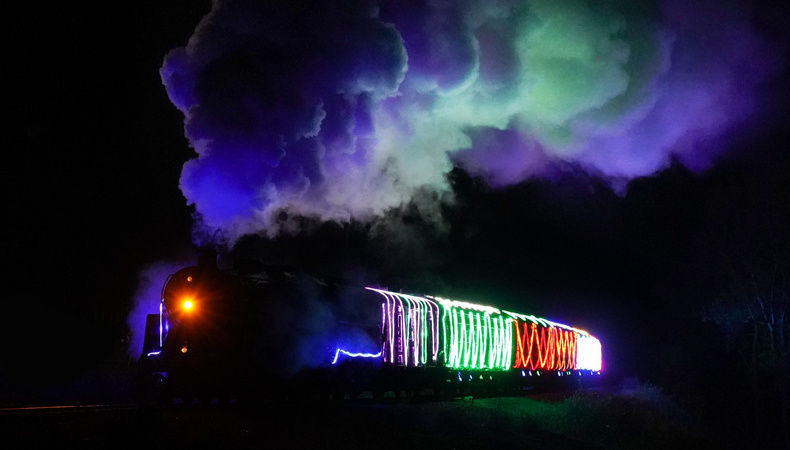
(750,240)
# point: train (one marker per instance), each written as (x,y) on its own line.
(265,331)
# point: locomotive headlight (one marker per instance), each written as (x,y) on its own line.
(188,305)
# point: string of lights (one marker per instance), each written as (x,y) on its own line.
(474,336)
(411,328)
(545,348)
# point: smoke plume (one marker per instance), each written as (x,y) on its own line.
(346,110)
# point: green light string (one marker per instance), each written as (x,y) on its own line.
(475,336)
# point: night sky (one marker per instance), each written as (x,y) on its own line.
(621,205)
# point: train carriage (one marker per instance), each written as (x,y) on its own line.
(419,331)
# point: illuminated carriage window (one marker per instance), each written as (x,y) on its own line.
(475,336)
(589,353)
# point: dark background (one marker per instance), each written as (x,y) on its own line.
(91,193)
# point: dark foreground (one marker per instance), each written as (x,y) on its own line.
(578,421)
(270,426)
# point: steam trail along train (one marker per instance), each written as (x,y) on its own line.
(268,332)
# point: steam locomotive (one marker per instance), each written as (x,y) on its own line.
(268,331)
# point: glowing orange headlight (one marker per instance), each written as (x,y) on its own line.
(188,305)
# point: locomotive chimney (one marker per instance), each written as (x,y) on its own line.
(207,258)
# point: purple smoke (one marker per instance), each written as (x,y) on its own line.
(347,110)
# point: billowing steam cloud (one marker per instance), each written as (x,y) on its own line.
(348,110)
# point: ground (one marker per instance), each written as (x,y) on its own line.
(641,419)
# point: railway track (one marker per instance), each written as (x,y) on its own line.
(366,397)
